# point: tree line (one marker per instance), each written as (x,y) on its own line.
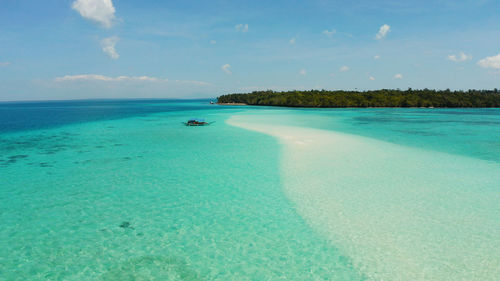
(377,98)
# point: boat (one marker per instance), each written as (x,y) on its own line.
(211,102)
(197,122)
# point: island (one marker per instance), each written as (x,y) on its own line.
(376,98)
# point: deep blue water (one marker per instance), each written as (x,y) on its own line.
(19,116)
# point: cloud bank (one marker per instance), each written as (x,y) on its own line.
(97,77)
(103,78)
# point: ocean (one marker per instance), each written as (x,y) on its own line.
(122,190)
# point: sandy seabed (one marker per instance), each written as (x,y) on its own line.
(400,213)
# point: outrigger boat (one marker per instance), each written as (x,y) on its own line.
(197,122)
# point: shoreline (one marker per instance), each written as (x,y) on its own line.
(231,103)
(356,107)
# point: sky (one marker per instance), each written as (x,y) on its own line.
(92,49)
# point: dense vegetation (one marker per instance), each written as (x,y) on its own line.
(378,98)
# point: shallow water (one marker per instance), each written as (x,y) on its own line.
(400,213)
(121,190)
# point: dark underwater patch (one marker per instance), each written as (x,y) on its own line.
(41,143)
(82,162)
(421,133)
(12,159)
(126,225)
(20,156)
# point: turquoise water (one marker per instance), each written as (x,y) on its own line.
(121,190)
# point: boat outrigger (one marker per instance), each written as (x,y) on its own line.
(197,122)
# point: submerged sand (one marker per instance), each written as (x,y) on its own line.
(399,213)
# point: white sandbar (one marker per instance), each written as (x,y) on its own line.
(399,213)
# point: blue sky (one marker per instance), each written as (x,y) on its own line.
(67,49)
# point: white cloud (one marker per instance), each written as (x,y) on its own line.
(344,68)
(292,41)
(490,62)
(101,11)
(241,27)
(213,42)
(371,78)
(460,58)
(102,78)
(376,57)
(225,68)
(398,76)
(193,82)
(329,33)
(97,77)
(382,32)
(303,72)
(108,47)
(4,63)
